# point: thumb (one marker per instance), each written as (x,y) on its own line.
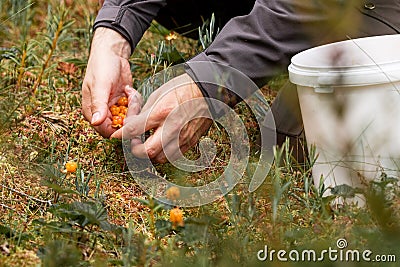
(133,96)
(99,105)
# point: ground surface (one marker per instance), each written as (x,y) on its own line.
(98,216)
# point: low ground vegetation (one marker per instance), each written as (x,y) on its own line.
(68,199)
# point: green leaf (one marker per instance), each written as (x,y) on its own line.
(143,201)
(8,53)
(7,231)
(163,228)
(172,55)
(158,207)
(345,191)
(51,173)
(55,227)
(60,253)
(59,189)
(94,213)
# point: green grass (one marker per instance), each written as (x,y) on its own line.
(99,216)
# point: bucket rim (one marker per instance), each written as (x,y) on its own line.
(302,72)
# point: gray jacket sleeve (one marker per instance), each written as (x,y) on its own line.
(130,18)
(261,44)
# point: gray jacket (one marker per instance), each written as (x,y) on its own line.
(262,43)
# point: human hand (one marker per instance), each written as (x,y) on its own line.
(179,116)
(107,76)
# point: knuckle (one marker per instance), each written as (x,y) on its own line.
(184,137)
(164,111)
(86,114)
(151,152)
(134,108)
(161,160)
(186,133)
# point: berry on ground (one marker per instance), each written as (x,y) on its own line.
(71,166)
(176,217)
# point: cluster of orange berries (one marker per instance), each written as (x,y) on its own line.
(176,217)
(176,214)
(119,111)
(71,166)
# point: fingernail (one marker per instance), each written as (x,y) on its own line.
(117,134)
(95,117)
(129,89)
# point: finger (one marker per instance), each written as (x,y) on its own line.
(148,119)
(154,145)
(99,107)
(136,141)
(136,125)
(165,89)
(173,134)
(133,95)
(105,129)
(86,103)
(176,148)
(188,138)
(173,155)
(134,108)
(172,152)
(100,93)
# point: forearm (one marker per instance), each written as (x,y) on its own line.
(130,18)
(105,39)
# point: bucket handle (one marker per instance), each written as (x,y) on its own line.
(323,89)
(326,81)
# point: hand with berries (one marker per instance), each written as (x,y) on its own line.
(177,113)
(108,78)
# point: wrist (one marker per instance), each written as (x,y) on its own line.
(107,39)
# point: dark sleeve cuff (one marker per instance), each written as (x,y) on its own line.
(131,20)
(219,82)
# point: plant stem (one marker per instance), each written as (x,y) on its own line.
(50,54)
(21,69)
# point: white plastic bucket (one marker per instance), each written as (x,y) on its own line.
(349,94)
